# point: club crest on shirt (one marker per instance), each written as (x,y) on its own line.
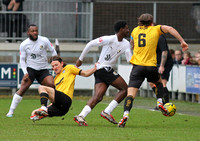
(41,47)
(115,73)
(118,51)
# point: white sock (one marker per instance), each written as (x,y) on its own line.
(44,108)
(160,100)
(113,104)
(86,110)
(126,113)
(15,101)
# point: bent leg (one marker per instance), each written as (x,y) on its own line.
(132,92)
(121,85)
(49,91)
(45,94)
(25,84)
(100,89)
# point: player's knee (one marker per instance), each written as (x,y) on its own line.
(51,85)
(124,92)
(94,101)
(41,88)
(98,99)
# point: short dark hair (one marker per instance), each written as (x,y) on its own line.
(119,24)
(57,58)
(145,19)
(30,26)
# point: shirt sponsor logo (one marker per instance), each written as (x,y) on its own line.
(107,57)
(33,56)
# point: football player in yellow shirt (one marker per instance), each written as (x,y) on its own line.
(144,40)
(61,96)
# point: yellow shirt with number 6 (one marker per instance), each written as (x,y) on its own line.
(145,45)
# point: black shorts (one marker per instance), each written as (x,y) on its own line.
(166,73)
(105,76)
(139,73)
(61,105)
(39,75)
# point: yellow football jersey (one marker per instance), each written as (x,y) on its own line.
(145,45)
(64,81)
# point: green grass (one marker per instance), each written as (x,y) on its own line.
(143,125)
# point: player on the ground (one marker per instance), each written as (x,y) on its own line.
(165,64)
(61,96)
(34,63)
(144,39)
(112,47)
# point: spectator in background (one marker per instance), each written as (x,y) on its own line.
(178,56)
(186,58)
(171,51)
(197,56)
(14,21)
(198,62)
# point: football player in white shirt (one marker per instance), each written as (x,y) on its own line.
(112,47)
(34,63)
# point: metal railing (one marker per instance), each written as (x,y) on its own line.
(74,22)
(83,20)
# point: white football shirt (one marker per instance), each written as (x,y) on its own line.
(111,50)
(33,54)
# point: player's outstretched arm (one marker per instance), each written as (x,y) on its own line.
(89,72)
(174,32)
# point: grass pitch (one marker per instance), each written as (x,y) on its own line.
(143,125)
